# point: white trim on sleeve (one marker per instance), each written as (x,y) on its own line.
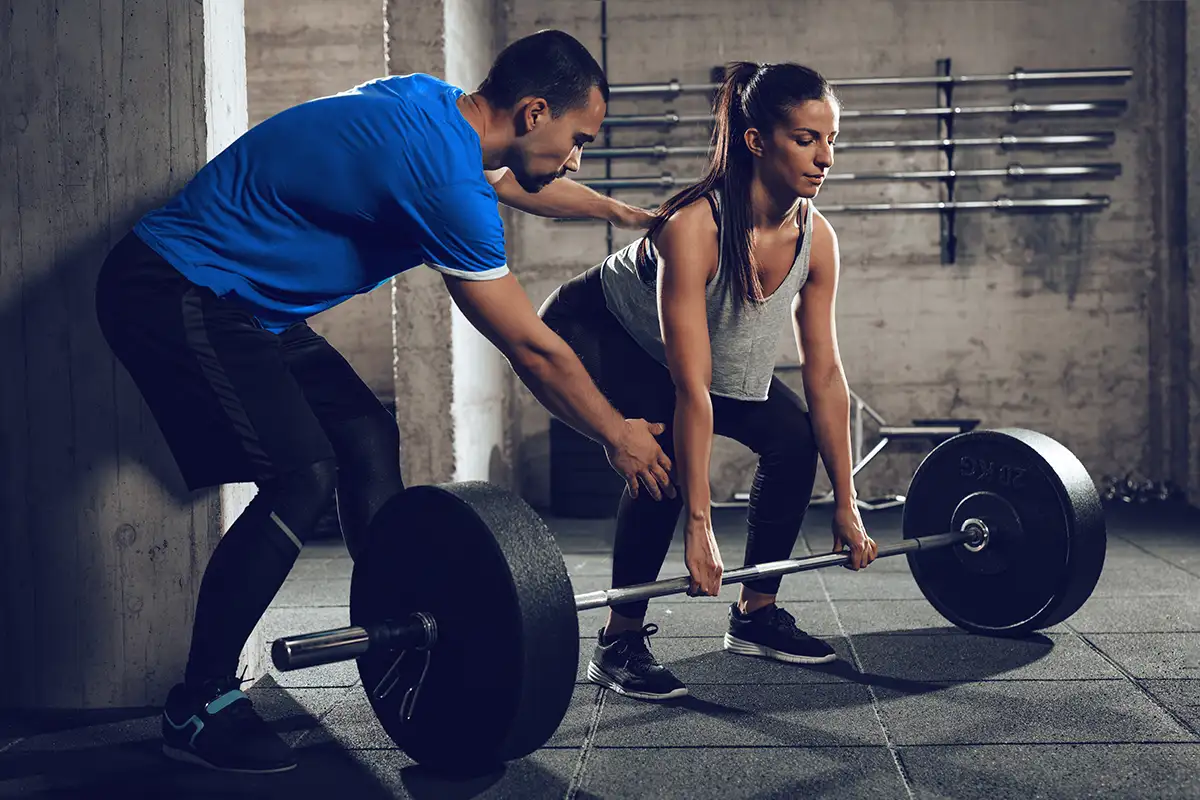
(469,275)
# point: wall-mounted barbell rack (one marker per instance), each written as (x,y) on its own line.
(944,111)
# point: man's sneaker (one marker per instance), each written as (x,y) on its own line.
(217,727)
(771,632)
(626,665)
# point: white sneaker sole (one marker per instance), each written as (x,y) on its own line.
(743,648)
(191,758)
(598,676)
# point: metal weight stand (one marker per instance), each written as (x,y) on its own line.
(931,431)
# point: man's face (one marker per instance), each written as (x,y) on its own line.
(547,148)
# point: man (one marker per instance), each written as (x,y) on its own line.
(205,303)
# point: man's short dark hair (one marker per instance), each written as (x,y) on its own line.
(550,64)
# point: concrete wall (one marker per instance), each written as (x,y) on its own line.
(105,110)
(1042,322)
(295,51)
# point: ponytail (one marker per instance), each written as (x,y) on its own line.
(750,96)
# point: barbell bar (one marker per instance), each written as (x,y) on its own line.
(466,631)
(343,644)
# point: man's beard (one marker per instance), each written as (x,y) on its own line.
(535,183)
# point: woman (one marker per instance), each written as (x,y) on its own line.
(681,327)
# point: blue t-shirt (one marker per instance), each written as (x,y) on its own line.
(333,197)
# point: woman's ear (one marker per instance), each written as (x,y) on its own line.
(754,141)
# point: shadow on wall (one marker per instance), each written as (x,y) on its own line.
(98,524)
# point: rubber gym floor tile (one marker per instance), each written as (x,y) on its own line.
(1064,771)
(1152,655)
(1145,577)
(842,584)
(1138,615)
(322,568)
(742,772)
(352,723)
(295,714)
(379,774)
(1181,697)
(700,660)
(900,617)
(1025,712)
(313,593)
(717,715)
(937,657)
(677,618)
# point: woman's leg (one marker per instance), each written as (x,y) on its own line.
(780,432)
(639,387)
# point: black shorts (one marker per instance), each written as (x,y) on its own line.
(236,403)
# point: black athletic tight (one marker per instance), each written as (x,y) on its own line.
(778,430)
(258,551)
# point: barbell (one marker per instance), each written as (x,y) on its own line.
(464,626)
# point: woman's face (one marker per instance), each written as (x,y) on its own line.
(799,153)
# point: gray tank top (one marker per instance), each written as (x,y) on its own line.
(743,334)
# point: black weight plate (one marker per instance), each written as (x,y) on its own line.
(1031,571)
(1089,533)
(483,564)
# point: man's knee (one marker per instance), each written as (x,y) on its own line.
(298,499)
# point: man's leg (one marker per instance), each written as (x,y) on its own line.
(364,434)
(230,411)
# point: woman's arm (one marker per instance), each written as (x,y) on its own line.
(687,250)
(825,387)
(566,199)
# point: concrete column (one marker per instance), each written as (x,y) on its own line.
(106,109)
(451,386)
(1162,68)
(1192,82)
(298,50)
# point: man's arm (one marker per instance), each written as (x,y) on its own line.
(566,199)
(502,312)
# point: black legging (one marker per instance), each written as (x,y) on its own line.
(255,556)
(777,429)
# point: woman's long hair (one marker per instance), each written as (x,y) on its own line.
(751,96)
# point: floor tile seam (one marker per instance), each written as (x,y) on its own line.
(948,682)
(901,770)
(585,749)
(843,746)
(1179,720)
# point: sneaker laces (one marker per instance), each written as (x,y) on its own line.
(637,646)
(240,711)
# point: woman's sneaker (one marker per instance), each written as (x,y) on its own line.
(625,664)
(217,727)
(771,632)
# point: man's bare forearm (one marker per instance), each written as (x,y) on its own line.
(565,199)
(563,387)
